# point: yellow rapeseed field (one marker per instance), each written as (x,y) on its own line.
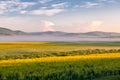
(48,46)
(62,58)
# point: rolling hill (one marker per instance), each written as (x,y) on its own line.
(5,31)
(87,34)
(9,32)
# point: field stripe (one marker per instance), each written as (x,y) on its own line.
(63,58)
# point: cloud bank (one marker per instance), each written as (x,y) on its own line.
(30,7)
(48,7)
(47,25)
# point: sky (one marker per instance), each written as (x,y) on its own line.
(60,15)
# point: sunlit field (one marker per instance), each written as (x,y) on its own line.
(7,48)
(62,58)
(59,60)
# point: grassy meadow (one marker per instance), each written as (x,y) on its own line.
(59,60)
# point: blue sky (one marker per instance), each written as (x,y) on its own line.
(60,15)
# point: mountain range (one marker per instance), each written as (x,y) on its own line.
(9,32)
(5,31)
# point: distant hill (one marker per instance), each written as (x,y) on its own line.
(49,33)
(103,34)
(87,34)
(5,31)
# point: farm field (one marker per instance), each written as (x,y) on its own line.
(20,48)
(59,60)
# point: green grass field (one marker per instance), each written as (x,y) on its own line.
(60,61)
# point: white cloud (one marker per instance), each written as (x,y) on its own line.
(95,4)
(96,23)
(46,8)
(109,1)
(48,12)
(60,5)
(23,12)
(26,4)
(44,1)
(91,4)
(21,23)
(14,6)
(2,6)
(47,26)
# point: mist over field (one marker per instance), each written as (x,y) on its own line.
(52,38)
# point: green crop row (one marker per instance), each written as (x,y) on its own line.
(47,54)
(64,70)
